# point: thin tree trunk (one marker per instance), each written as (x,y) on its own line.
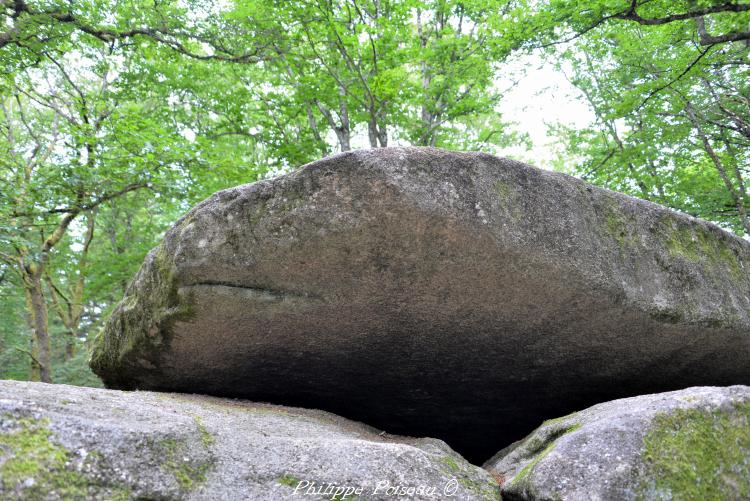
(372,131)
(425,137)
(736,198)
(342,130)
(70,345)
(34,369)
(345,128)
(41,333)
(382,129)
(377,135)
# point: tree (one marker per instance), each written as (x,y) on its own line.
(419,71)
(672,115)
(561,21)
(65,157)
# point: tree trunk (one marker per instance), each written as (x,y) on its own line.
(378,135)
(344,140)
(737,198)
(41,334)
(382,128)
(70,345)
(372,132)
(345,129)
(34,369)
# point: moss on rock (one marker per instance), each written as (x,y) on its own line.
(206,437)
(142,321)
(696,244)
(34,467)
(509,199)
(698,454)
(189,472)
(621,225)
(289,481)
(465,478)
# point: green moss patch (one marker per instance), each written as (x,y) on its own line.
(487,490)
(542,443)
(621,226)
(526,470)
(206,438)
(698,245)
(698,454)
(141,323)
(188,471)
(290,481)
(36,468)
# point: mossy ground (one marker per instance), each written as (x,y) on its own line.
(699,454)
(34,467)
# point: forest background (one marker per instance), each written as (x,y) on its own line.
(117,116)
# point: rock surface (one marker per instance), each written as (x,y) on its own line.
(63,442)
(688,444)
(430,293)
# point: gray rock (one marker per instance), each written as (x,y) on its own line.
(688,444)
(432,293)
(63,442)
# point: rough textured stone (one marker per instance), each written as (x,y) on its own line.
(430,293)
(688,444)
(63,442)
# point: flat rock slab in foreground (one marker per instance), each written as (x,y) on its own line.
(689,444)
(430,293)
(63,442)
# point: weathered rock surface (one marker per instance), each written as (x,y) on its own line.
(688,444)
(63,442)
(454,295)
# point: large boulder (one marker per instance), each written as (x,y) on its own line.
(433,293)
(63,442)
(689,444)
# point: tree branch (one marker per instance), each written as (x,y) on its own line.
(27,352)
(632,15)
(20,7)
(674,80)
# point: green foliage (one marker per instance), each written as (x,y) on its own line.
(673,123)
(75,371)
(13,335)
